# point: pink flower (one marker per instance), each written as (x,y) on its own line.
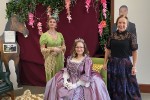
(104,5)
(39,25)
(69,18)
(101,26)
(31,20)
(104,13)
(49,11)
(103,1)
(103,23)
(100,29)
(87,5)
(68,2)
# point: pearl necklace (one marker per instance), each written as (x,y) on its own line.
(52,32)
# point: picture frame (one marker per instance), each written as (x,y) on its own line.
(10,48)
(10,36)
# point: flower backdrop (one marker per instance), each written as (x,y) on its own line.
(25,9)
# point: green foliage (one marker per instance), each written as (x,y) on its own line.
(23,7)
(59,4)
(106,30)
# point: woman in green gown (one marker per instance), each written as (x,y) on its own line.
(52,48)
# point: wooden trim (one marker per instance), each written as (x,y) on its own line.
(112,14)
(144,88)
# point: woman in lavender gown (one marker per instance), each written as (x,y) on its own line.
(77,81)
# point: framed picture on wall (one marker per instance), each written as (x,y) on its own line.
(10,48)
(10,36)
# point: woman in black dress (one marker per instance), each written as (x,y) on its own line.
(122,82)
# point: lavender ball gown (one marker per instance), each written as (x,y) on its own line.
(97,90)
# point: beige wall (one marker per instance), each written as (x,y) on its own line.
(139,14)
(3,19)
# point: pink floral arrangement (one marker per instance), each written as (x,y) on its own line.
(104,7)
(68,2)
(101,26)
(31,20)
(49,11)
(39,25)
(87,2)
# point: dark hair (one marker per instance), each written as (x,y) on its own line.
(73,52)
(123,6)
(121,16)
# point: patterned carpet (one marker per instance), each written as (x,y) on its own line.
(27,95)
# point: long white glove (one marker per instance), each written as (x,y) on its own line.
(82,83)
(65,76)
(79,83)
(72,86)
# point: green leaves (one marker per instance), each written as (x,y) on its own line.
(23,7)
(106,30)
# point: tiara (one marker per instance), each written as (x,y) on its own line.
(79,40)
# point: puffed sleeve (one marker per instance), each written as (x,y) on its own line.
(62,38)
(134,45)
(65,69)
(86,77)
(43,39)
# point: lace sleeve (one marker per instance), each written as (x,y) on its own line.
(134,45)
(108,42)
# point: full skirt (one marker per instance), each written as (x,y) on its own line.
(121,84)
(96,91)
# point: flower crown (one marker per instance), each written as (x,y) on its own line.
(56,15)
(79,40)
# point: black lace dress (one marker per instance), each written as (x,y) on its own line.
(121,84)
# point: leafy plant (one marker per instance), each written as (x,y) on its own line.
(23,7)
(106,30)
